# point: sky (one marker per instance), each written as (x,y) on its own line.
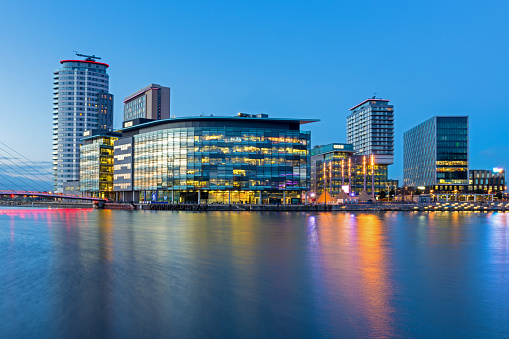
(289,59)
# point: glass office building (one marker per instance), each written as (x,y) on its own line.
(96,163)
(435,155)
(336,166)
(244,159)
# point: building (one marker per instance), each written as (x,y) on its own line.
(243,159)
(96,163)
(151,102)
(435,155)
(337,167)
(370,129)
(80,102)
(486,181)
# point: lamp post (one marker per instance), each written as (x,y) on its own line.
(349,176)
(364,170)
(373,176)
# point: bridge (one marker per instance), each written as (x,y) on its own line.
(22,177)
(47,195)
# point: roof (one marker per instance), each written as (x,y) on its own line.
(362,103)
(165,121)
(143,90)
(324,198)
(86,61)
(364,196)
(342,195)
(98,133)
(333,147)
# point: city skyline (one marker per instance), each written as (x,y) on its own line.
(443,64)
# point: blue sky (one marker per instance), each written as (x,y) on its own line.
(287,59)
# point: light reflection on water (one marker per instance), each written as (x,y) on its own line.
(107,273)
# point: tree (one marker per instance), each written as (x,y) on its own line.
(499,195)
(381,195)
(418,192)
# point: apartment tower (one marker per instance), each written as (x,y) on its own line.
(81,101)
(370,129)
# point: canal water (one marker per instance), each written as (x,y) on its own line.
(101,273)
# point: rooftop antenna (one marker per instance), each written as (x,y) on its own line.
(87,57)
(374,96)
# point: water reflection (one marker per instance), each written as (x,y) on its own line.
(87,273)
(355,269)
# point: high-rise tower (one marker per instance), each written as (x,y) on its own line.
(370,129)
(80,102)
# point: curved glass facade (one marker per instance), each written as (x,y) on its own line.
(229,163)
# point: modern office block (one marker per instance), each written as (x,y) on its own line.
(370,129)
(123,168)
(80,102)
(151,102)
(96,163)
(244,159)
(435,154)
(336,167)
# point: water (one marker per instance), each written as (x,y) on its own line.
(85,273)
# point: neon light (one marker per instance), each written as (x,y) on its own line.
(497,169)
(90,62)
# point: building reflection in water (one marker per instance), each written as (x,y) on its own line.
(235,274)
(356,271)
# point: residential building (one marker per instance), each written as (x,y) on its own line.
(243,159)
(370,129)
(151,102)
(487,181)
(96,163)
(80,102)
(435,155)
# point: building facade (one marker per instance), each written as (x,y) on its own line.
(336,167)
(80,102)
(151,102)
(370,129)
(487,181)
(244,159)
(96,163)
(435,155)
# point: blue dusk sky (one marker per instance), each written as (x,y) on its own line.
(302,59)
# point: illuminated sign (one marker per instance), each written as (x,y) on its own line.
(421,187)
(346,189)
(128,124)
(339,146)
(497,169)
(86,133)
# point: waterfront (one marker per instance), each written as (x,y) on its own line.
(97,273)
